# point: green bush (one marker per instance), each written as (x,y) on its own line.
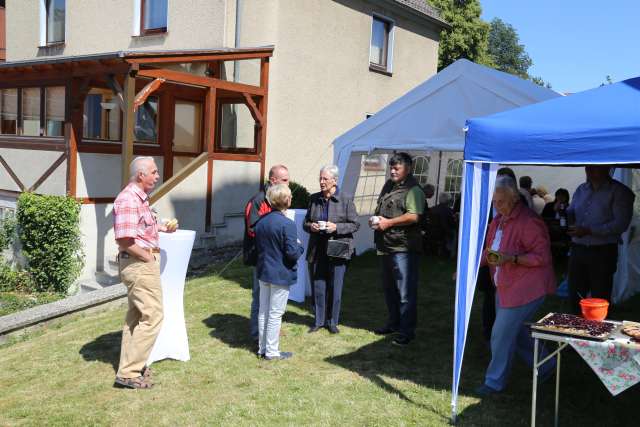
(7,232)
(14,280)
(299,196)
(49,231)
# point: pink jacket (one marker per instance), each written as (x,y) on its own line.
(523,234)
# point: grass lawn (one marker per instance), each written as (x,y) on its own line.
(10,302)
(64,375)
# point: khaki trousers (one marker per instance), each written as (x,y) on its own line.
(144,317)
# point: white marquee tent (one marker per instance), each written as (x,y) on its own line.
(431,117)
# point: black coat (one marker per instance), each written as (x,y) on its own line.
(342,212)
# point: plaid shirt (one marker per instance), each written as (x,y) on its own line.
(132,217)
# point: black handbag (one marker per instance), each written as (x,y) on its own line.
(338,249)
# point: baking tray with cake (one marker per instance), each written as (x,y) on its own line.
(576,326)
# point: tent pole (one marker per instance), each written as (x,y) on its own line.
(438,178)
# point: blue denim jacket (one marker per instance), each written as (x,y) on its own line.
(278,249)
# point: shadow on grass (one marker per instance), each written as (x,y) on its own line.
(380,361)
(105,348)
(233,329)
(427,361)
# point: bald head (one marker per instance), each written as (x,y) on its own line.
(279,174)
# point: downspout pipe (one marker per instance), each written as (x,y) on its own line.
(236,64)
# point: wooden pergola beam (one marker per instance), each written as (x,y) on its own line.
(262,106)
(129,122)
(253,109)
(12,77)
(176,179)
(191,79)
(176,59)
(75,92)
(144,93)
(117,91)
(210,132)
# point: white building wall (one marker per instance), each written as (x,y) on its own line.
(98,26)
(320,84)
(29,166)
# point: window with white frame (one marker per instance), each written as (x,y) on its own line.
(381,47)
(153,16)
(421,169)
(453,179)
(102,116)
(373,174)
(54,23)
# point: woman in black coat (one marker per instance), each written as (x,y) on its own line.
(331,221)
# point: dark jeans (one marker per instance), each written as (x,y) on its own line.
(591,269)
(400,285)
(328,278)
(486,286)
(255,304)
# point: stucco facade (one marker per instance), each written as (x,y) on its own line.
(96,26)
(320,85)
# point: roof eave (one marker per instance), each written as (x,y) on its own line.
(439,22)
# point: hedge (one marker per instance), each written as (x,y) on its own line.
(49,231)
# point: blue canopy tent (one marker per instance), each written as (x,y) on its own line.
(598,126)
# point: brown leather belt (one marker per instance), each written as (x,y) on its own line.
(125,254)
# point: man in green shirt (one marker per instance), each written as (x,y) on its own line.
(399,243)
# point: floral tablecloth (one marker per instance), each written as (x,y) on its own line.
(616,362)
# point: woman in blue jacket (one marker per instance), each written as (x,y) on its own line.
(278,250)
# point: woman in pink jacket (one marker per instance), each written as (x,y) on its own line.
(518,252)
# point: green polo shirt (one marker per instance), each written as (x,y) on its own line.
(414,200)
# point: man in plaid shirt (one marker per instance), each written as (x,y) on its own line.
(136,232)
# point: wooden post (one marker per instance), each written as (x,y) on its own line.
(129,123)
(75,93)
(262,107)
(210,119)
(167,127)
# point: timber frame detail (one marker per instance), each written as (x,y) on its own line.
(132,77)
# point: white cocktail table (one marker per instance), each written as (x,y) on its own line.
(175,251)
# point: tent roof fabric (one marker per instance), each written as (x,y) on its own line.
(432,115)
(601,125)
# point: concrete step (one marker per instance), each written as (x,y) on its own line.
(111,265)
(89,285)
(106,278)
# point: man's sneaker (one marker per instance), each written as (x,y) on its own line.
(333,329)
(401,341)
(384,331)
(283,355)
(484,391)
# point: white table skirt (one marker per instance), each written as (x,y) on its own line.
(175,251)
(302,287)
